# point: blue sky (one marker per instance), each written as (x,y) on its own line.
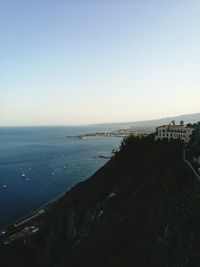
(81,62)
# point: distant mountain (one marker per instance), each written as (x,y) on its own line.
(187,118)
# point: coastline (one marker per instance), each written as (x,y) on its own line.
(31,213)
(66,162)
(27,217)
(34,220)
(27,225)
(47,204)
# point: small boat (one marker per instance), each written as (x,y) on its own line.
(4,186)
(53,173)
(64,167)
(23,175)
(27,179)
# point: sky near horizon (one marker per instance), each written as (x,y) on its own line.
(66,62)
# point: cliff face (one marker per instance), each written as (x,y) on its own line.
(140,209)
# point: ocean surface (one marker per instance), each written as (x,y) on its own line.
(39,164)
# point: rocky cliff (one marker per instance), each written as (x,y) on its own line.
(140,209)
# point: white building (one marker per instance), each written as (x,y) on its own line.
(174,131)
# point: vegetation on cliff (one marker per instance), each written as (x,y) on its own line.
(140,209)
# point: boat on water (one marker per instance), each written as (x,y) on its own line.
(23,174)
(4,186)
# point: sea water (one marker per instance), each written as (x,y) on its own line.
(38,164)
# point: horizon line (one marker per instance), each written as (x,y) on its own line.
(96,123)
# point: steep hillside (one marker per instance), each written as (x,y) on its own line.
(140,209)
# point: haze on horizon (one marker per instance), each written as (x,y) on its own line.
(83,62)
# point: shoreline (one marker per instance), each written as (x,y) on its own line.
(31,213)
(117,133)
(33,218)
(45,205)
(6,227)
(27,225)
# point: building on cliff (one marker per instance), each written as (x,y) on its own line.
(173,131)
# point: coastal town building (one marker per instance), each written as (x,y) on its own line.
(173,131)
(197,134)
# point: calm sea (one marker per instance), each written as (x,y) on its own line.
(38,164)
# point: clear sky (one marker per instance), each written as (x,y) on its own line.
(91,61)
